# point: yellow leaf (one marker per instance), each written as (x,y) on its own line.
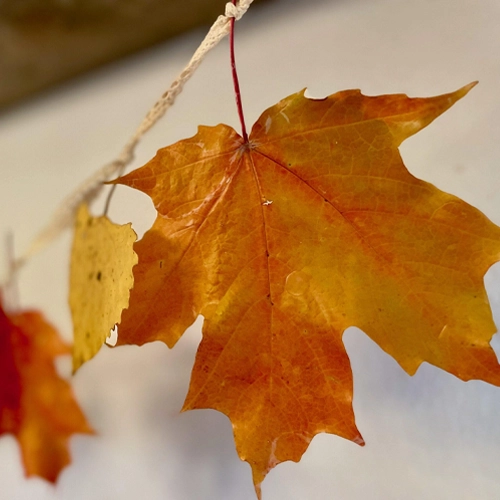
(100,281)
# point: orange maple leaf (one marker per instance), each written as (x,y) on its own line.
(282,243)
(36,405)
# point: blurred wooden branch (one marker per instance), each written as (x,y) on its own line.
(43,42)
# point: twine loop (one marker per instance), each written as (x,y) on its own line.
(235,11)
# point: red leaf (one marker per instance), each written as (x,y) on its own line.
(36,405)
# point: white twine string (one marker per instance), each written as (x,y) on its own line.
(91,187)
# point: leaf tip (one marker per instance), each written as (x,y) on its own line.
(448,100)
(458,94)
(466,88)
(423,111)
(258,491)
(359,440)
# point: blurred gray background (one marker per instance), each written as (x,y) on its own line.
(429,436)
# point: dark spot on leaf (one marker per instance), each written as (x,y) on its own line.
(161,264)
(99,276)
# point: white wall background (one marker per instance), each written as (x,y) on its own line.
(428,437)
